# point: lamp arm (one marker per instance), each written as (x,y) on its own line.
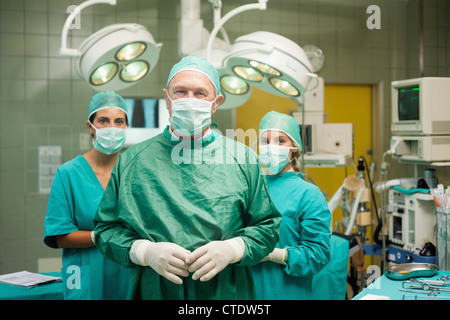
(217,6)
(261,5)
(69,52)
(225,37)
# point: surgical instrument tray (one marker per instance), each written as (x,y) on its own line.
(406,271)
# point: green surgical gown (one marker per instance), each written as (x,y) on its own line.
(167,190)
(304,232)
(74,197)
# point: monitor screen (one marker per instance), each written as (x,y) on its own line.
(142,112)
(307,140)
(408,103)
(147,117)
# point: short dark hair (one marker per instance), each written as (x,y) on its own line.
(92,117)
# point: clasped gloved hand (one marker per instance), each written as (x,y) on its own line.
(166,258)
(277,256)
(208,260)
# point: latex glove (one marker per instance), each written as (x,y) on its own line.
(166,258)
(93,237)
(277,256)
(208,260)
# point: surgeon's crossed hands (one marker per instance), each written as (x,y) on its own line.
(171,260)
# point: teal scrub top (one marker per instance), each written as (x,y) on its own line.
(304,232)
(166,190)
(74,198)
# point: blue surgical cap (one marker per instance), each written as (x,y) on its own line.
(195,63)
(108,99)
(281,122)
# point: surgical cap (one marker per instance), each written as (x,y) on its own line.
(281,122)
(195,63)
(108,99)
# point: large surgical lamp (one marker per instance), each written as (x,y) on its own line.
(271,63)
(114,57)
(261,59)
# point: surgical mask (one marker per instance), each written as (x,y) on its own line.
(274,157)
(109,140)
(190,116)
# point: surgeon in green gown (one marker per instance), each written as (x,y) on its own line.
(304,245)
(76,192)
(189,209)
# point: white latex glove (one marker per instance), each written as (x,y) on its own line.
(277,256)
(93,237)
(166,258)
(208,260)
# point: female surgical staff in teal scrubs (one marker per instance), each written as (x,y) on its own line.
(76,191)
(303,248)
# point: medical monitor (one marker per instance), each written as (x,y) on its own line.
(421,106)
(147,117)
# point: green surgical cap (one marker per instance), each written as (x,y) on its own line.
(108,99)
(195,63)
(278,121)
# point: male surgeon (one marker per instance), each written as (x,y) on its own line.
(188,210)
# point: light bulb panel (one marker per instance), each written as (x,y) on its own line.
(233,85)
(108,46)
(277,58)
(235,91)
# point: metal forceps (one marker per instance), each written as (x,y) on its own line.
(427,285)
(421,291)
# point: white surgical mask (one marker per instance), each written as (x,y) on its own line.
(190,116)
(275,157)
(109,140)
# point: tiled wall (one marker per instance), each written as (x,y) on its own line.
(43,102)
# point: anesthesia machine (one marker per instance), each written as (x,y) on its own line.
(420,136)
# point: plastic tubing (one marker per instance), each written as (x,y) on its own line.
(354,210)
(381,186)
(334,201)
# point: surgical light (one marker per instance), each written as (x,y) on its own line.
(271,62)
(134,71)
(233,84)
(131,51)
(234,89)
(114,57)
(284,87)
(248,73)
(121,53)
(103,73)
(261,59)
(264,68)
